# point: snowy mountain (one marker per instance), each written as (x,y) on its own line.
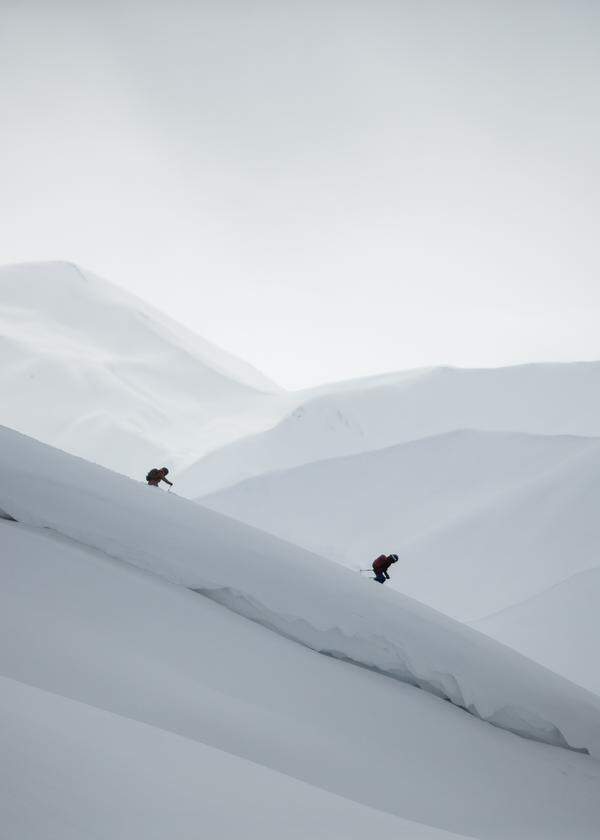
(364,415)
(481,520)
(117,681)
(167,664)
(97,372)
(558,627)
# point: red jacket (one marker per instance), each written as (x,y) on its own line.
(381,564)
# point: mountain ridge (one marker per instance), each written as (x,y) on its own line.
(549,399)
(120,383)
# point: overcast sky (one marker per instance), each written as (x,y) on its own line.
(328,189)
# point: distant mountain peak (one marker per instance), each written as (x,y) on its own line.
(93,369)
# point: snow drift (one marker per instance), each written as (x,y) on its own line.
(130,697)
(298,594)
(125,717)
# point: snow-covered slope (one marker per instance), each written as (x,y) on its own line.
(481,520)
(349,418)
(167,691)
(300,595)
(527,541)
(559,627)
(144,783)
(97,372)
(139,709)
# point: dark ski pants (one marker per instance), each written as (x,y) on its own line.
(380,578)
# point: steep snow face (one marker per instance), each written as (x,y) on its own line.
(300,595)
(97,372)
(480,520)
(375,413)
(559,628)
(213,688)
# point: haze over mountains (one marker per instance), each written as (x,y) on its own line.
(363,415)
(202,653)
(124,385)
(92,369)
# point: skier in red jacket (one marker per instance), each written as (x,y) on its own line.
(381,566)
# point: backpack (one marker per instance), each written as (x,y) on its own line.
(153,475)
(380,564)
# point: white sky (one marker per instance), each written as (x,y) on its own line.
(326,188)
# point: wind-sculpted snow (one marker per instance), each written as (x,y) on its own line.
(380,654)
(296,593)
(82,627)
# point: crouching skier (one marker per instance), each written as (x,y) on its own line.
(156,475)
(381,566)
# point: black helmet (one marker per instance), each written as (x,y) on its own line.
(394,558)
(164,470)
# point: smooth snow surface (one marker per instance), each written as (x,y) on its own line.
(144,782)
(93,370)
(80,625)
(559,628)
(138,699)
(299,594)
(481,520)
(363,415)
